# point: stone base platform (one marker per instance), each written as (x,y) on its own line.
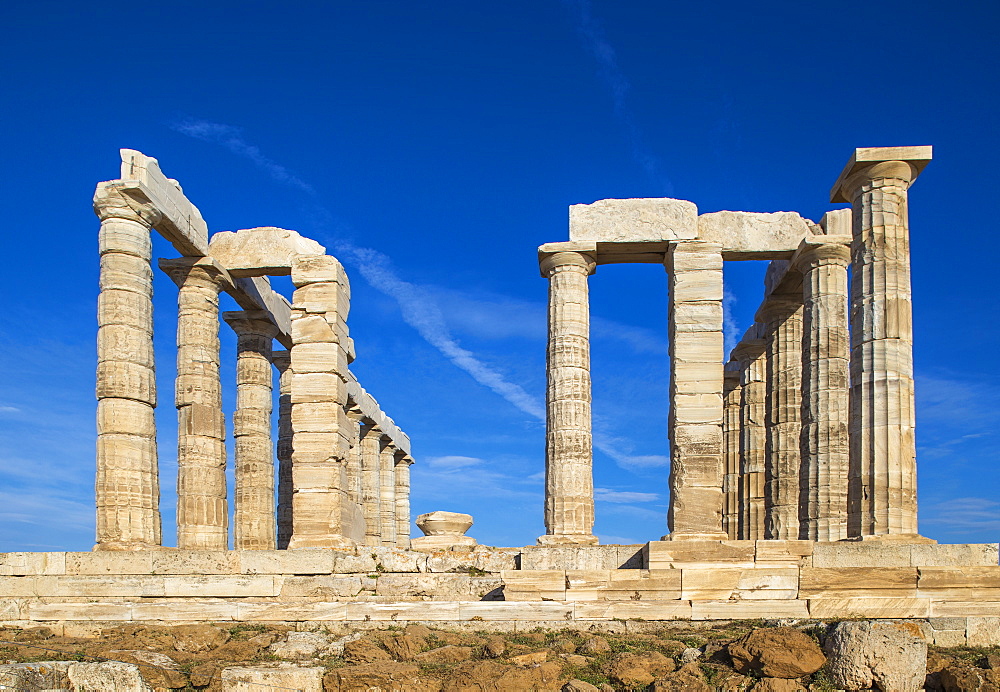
(956,588)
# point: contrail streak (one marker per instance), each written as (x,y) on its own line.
(592,33)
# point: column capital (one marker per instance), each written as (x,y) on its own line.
(822,251)
(777,307)
(111,203)
(205,268)
(550,264)
(874,163)
(282,360)
(251,322)
(748,350)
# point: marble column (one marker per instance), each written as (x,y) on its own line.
(127,486)
(696,375)
(370,443)
(387,491)
(202,509)
(354,462)
(826,393)
(320,426)
(753,397)
(731,447)
(569,481)
(282,362)
(782,320)
(882,498)
(254,517)
(403,463)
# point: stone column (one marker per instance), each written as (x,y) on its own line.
(254,521)
(403,463)
(320,438)
(354,462)
(731,446)
(753,396)
(282,361)
(882,487)
(370,443)
(128,486)
(202,509)
(696,355)
(782,320)
(826,392)
(387,491)
(569,481)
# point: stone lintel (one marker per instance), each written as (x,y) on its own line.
(366,405)
(255,293)
(181,223)
(618,220)
(918,157)
(265,251)
(182,264)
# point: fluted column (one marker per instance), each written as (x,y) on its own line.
(782,319)
(569,481)
(202,509)
(387,491)
(370,443)
(753,396)
(882,488)
(826,393)
(127,485)
(696,354)
(731,446)
(403,463)
(282,362)
(253,518)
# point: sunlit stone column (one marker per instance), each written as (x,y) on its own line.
(403,463)
(696,355)
(370,444)
(354,462)
(569,482)
(254,518)
(753,396)
(282,362)
(127,487)
(202,509)
(882,491)
(387,491)
(320,437)
(826,392)
(782,320)
(731,446)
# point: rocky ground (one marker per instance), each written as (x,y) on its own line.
(764,657)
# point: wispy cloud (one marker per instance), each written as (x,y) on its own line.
(232,139)
(593,36)
(964,514)
(624,496)
(730,327)
(9,409)
(453,462)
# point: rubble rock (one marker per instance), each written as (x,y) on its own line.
(780,652)
(886,655)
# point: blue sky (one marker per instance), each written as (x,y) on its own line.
(432,147)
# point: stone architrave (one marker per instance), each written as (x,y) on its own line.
(127,485)
(253,517)
(282,361)
(371,500)
(202,509)
(696,398)
(403,463)
(569,482)
(731,446)
(782,320)
(750,353)
(387,491)
(882,498)
(826,393)
(320,437)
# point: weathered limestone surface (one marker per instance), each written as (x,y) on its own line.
(387,492)
(753,235)
(751,355)
(443,530)
(202,508)
(282,361)
(732,396)
(782,320)
(569,484)
(254,516)
(370,443)
(883,453)
(402,480)
(625,220)
(824,441)
(263,251)
(127,485)
(696,353)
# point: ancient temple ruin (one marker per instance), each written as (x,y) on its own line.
(793,473)
(343,465)
(807,432)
